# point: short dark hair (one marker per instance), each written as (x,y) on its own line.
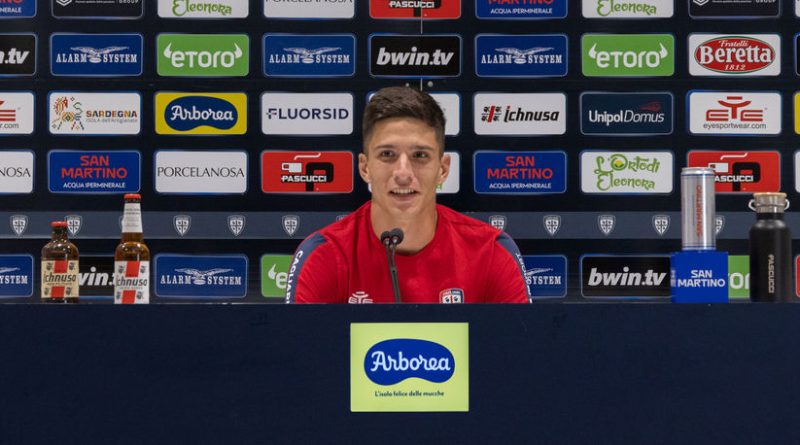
(392,102)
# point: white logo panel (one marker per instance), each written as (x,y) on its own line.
(797,171)
(733,113)
(198,172)
(16,172)
(108,113)
(638,172)
(306,113)
(627,9)
(450,103)
(734,55)
(452,183)
(16,113)
(324,9)
(520,114)
(203,9)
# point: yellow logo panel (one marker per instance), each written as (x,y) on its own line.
(409,367)
(201,113)
(797,113)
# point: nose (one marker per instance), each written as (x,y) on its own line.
(403,173)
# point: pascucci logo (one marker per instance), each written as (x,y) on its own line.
(734,55)
(203,59)
(392,361)
(628,59)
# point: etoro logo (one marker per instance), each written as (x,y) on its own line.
(741,171)
(201,113)
(739,55)
(628,55)
(415,56)
(274,275)
(734,113)
(306,172)
(203,55)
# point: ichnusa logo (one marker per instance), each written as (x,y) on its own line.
(625,276)
(306,113)
(17,9)
(393,55)
(99,55)
(734,55)
(16,276)
(201,113)
(626,114)
(520,113)
(201,172)
(734,9)
(542,55)
(741,171)
(415,9)
(94,171)
(521,9)
(274,274)
(203,55)
(16,171)
(546,276)
(737,113)
(16,112)
(17,54)
(628,55)
(83,114)
(210,277)
(644,172)
(318,55)
(306,172)
(627,9)
(409,367)
(511,172)
(203,9)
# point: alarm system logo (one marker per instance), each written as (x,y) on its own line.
(208,9)
(309,55)
(201,113)
(734,55)
(16,276)
(524,9)
(17,54)
(734,113)
(16,171)
(415,9)
(200,276)
(203,55)
(741,171)
(393,55)
(543,55)
(628,55)
(306,172)
(96,54)
(546,276)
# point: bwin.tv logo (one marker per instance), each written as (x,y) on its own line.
(392,361)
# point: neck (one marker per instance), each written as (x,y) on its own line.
(418,230)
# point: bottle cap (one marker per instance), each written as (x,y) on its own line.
(58,224)
(132,196)
(769,202)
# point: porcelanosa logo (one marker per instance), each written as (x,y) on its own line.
(626,113)
(17,8)
(737,55)
(629,172)
(201,113)
(628,9)
(192,172)
(392,361)
(521,55)
(520,9)
(203,55)
(96,54)
(16,171)
(108,113)
(201,9)
(520,114)
(734,113)
(415,56)
(628,55)
(317,55)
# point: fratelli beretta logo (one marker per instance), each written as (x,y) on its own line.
(734,55)
(411,367)
(521,55)
(203,55)
(96,54)
(628,114)
(17,8)
(94,171)
(318,55)
(201,113)
(201,277)
(521,9)
(628,55)
(642,172)
(509,172)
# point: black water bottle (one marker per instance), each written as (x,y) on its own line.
(770,249)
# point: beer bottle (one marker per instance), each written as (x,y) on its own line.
(59,267)
(132,257)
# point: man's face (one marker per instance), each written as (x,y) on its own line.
(403,165)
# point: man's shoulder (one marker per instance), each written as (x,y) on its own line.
(344,230)
(468,227)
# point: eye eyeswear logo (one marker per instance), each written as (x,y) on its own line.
(203,55)
(734,113)
(392,361)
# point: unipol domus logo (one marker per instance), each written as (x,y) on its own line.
(392,361)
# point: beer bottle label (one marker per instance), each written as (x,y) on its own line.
(59,279)
(131,282)
(132,218)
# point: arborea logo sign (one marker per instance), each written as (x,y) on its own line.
(628,55)
(203,55)
(410,367)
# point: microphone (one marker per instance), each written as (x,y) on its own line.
(390,240)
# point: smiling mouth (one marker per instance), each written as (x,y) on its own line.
(402,193)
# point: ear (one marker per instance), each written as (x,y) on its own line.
(444,169)
(362,168)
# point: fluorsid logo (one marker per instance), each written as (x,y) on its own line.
(392,361)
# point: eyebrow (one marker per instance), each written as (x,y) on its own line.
(415,147)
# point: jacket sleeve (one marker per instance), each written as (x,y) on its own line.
(313,272)
(507,274)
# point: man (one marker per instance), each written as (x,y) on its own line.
(444,257)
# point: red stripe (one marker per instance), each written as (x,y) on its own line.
(57,292)
(60,266)
(132,269)
(128,296)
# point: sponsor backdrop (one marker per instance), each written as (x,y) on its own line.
(239,123)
